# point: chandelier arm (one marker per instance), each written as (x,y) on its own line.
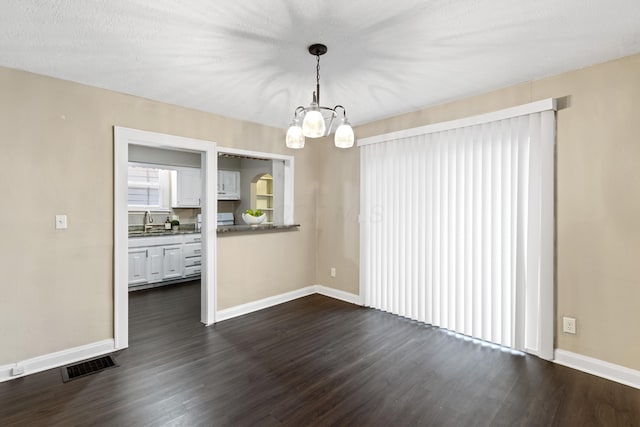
(344,110)
(297,111)
(333,110)
(330,125)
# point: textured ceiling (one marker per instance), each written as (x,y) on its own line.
(249,60)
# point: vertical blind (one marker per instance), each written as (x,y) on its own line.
(457,229)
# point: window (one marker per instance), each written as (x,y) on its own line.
(148,187)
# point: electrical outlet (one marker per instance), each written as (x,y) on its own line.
(569,325)
(333,272)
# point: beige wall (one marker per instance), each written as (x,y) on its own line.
(598,201)
(337,217)
(57,158)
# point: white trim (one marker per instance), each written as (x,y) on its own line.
(250,307)
(288,200)
(251,153)
(507,113)
(208,274)
(338,294)
(57,359)
(209,162)
(598,367)
(120,239)
(546,327)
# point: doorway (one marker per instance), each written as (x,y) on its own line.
(123,137)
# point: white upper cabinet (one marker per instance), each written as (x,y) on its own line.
(187,188)
(228,185)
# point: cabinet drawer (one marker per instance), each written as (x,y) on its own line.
(193,270)
(191,261)
(192,249)
(192,238)
(146,242)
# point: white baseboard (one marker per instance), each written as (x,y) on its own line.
(261,304)
(338,294)
(250,307)
(598,367)
(57,359)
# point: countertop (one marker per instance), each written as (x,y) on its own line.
(136,231)
(228,229)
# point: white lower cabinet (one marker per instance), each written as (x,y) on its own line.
(153,260)
(172,263)
(155,264)
(137,266)
(192,270)
(192,251)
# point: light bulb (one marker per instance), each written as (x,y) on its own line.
(313,124)
(295,137)
(344,135)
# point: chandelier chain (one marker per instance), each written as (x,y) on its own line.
(318,70)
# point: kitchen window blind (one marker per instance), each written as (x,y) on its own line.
(148,187)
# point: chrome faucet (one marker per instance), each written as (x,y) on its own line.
(147,221)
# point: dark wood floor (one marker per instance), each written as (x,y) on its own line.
(311,362)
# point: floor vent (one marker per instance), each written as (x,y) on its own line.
(87,367)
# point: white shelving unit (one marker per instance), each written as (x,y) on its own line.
(264,196)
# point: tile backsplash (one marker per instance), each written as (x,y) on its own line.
(186,215)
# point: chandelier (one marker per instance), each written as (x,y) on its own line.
(317,121)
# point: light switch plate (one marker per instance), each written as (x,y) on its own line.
(61,222)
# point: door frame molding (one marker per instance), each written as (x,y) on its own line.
(123,137)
